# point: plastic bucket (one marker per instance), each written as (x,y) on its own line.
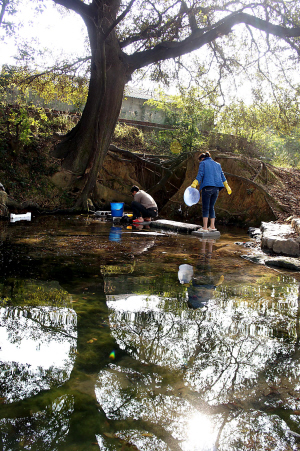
(117,209)
(191,196)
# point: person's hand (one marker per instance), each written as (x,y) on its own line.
(229,191)
(195,184)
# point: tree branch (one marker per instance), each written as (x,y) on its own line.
(4,4)
(198,39)
(119,19)
(75,5)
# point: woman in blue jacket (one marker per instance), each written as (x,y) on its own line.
(211,179)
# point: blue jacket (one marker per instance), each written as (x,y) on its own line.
(210,174)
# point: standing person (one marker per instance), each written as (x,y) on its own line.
(143,206)
(211,179)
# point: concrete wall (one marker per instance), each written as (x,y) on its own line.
(35,99)
(136,109)
(133,107)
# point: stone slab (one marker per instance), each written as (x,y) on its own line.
(216,234)
(174,225)
(184,227)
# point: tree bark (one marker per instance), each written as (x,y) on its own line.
(84,148)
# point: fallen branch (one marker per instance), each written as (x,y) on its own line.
(258,172)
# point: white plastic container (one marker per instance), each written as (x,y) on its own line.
(20,217)
(191,196)
(185,273)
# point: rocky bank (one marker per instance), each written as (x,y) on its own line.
(276,244)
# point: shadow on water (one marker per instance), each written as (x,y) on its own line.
(116,337)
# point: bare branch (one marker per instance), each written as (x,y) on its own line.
(58,70)
(153,30)
(119,19)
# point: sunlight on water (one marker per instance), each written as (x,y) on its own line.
(201,435)
(134,303)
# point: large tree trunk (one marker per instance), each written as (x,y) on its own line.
(85,147)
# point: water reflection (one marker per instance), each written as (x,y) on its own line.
(216,356)
(38,345)
(173,418)
(223,376)
(149,329)
(185,273)
(45,430)
(137,396)
(115,234)
(201,434)
(202,282)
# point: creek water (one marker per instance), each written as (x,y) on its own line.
(139,339)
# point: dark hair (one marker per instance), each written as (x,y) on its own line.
(204,155)
(134,188)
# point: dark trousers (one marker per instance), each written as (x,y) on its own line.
(139,210)
(209,197)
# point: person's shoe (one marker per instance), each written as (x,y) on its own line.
(212,230)
(147,219)
(137,221)
(202,230)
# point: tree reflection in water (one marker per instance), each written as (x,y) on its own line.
(37,349)
(208,369)
(211,363)
(43,430)
(38,346)
(38,339)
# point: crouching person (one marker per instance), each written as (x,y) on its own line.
(143,206)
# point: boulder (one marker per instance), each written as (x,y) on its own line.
(279,239)
(284,262)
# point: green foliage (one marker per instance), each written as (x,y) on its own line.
(26,139)
(24,126)
(157,142)
(189,116)
(273,127)
(42,296)
(21,126)
(127,135)
(30,86)
(29,294)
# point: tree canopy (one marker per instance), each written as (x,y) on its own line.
(129,36)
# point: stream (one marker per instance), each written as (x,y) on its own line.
(133,338)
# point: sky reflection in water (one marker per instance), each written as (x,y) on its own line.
(180,353)
(219,354)
(29,352)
